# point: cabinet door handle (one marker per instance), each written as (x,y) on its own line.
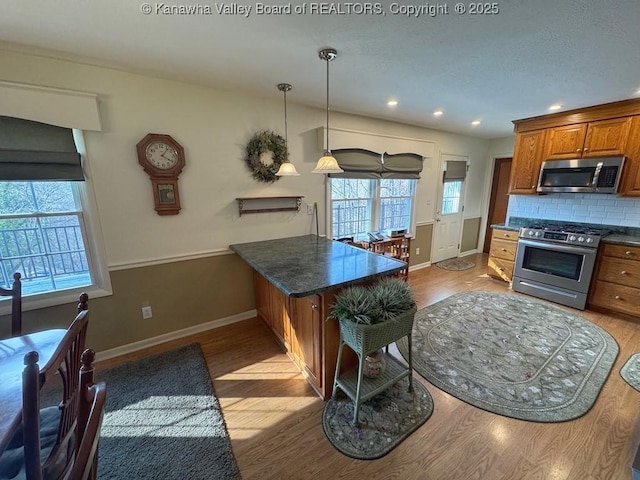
(314,306)
(506,235)
(503,249)
(585,149)
(578,150)
(628,252)
(533,186)
(501,269)
(617,297)
(623,272)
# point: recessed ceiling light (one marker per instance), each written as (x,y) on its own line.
(556,106)
(392,103)
(475,122)
(437,113)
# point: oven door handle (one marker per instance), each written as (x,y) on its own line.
(557,247)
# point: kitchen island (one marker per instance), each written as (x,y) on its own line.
(295,282)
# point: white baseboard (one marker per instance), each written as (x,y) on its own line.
(419,266)
(185,332)
(468,252)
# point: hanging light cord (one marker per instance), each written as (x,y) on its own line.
(327,149)
(286,140)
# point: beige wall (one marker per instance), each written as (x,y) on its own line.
(470,231)
(182,294)
(213,126)
(422,241)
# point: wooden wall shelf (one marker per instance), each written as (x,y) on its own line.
(269,204)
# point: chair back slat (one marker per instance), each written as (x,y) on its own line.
(16,304)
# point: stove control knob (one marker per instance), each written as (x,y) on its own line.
(572,238)
(537,234)
(581,239)
(530,233)
(589,240)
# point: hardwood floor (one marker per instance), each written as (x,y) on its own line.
(274,417)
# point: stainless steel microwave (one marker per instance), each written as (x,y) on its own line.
(581,175)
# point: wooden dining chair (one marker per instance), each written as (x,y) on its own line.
(49,434)
(16,304)
(82,460)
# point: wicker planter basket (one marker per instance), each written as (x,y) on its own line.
(365,339)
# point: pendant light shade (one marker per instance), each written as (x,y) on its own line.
(287,169)
(328,163)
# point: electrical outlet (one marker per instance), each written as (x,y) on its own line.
(417,251)
(146,312)
(309,209)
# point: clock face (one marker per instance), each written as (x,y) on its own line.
(162,155)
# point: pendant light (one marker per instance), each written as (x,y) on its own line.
(328,163)
(287,169)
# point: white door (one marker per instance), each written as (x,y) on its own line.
(448,226)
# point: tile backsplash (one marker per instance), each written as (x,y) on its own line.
(577,207)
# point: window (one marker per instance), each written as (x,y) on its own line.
(359,206)
(49,230)
(42,236)
(451,192)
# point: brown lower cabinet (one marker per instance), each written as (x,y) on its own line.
(616,285)
(502,254)
(301,327)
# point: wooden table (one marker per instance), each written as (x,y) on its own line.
(12,352)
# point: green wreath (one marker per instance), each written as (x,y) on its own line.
(262,142)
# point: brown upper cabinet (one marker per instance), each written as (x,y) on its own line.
(594,139)
(527,158)
(630,182)
(598,131)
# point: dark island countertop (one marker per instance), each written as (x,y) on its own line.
(309,264)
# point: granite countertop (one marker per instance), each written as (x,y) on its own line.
(621,239)
(309,264)
(619,235)
(502,226)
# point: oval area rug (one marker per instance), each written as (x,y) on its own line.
(512,355)
(385,420)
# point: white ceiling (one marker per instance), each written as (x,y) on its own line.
(495,68)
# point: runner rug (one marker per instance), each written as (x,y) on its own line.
(630,371)
(455,264)
(512,355)
(163,420)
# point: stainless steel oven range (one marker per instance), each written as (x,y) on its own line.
(556,262)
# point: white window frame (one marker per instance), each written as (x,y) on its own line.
(94,249)
(375,209)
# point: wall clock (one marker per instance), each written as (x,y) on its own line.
(163,159)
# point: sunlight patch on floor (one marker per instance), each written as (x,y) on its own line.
(164,416)
(265,412)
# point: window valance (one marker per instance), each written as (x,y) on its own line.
(455,170)
(32,151)
(361,163)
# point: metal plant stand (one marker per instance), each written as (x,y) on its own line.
(364,340)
